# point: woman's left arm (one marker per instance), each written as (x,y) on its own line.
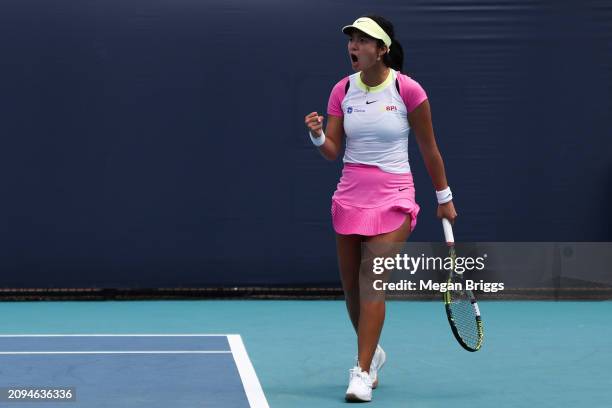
(420,122)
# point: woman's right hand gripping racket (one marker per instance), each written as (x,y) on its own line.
(461,307)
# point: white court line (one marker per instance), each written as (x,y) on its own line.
(115,335)
(119,352)
(251,384)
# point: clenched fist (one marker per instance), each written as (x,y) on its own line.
(314,123)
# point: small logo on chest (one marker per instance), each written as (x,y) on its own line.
(352,109)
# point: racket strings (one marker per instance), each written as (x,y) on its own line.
(464,318)
(462,314)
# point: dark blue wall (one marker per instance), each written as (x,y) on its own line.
(161,143)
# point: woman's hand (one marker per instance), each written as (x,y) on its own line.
(447,210)
(314,123)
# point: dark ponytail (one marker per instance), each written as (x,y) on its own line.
(395,58)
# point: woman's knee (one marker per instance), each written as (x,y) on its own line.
(372,306)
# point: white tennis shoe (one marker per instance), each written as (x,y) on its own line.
(378,360)
(360,386)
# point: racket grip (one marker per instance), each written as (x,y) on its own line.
(448,231)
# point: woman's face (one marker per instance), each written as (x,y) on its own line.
(363,50)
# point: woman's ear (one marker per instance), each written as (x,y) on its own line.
(385,51)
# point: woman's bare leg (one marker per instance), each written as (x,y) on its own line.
(372,312)
(349,259)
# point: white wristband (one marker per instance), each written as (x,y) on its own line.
(444,196)
(317,141)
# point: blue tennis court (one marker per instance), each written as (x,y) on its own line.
(536,353)
(154,370)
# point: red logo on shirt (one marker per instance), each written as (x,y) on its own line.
(391,108)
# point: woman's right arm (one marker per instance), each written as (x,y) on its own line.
(333,133)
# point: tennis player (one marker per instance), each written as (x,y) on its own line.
(375,199)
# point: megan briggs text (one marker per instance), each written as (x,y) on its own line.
(468,284)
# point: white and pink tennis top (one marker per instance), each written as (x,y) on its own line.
(376,119)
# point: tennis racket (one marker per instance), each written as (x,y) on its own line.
(460,304)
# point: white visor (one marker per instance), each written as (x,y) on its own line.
(371,28)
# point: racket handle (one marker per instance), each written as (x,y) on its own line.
(448,231)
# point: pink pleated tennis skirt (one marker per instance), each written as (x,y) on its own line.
(369,201)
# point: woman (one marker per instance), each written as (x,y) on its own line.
(374,202)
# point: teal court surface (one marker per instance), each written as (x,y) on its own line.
(298,353)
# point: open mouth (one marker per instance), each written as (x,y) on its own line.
(354,58)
